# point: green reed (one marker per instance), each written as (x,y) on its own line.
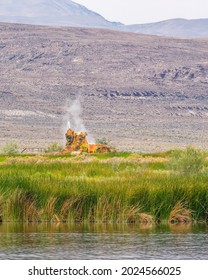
(132,188)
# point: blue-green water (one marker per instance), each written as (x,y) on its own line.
(62,241)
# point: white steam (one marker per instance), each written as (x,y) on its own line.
(73,119)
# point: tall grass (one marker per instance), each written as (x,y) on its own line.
(64,189)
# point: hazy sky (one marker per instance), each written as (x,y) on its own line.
(143,11)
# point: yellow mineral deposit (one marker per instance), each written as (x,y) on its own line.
(77,142)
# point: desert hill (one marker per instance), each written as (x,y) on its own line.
(51,12)
(69,13)
(141,92)
(178,27)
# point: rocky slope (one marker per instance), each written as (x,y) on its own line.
(141,92)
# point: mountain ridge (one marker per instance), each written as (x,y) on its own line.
(51,12)
(178,27)
(70,13)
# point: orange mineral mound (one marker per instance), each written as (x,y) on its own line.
(77,142)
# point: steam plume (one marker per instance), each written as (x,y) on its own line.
(73,118)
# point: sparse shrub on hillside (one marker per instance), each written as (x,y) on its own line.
(188,162)
(10,148)
(53,147)
(101,141)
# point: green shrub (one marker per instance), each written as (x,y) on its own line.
(53,147)
(188,162)
(10,148)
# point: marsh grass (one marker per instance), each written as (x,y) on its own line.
(64,189)
(180,214)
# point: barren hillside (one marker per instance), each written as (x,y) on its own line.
(178,27)
(141,92)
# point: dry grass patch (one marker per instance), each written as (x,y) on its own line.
(146,218)
(180,214)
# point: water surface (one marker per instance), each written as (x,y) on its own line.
(62,241)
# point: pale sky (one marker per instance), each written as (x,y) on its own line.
(144,11)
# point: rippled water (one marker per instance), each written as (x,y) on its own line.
(61,241)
